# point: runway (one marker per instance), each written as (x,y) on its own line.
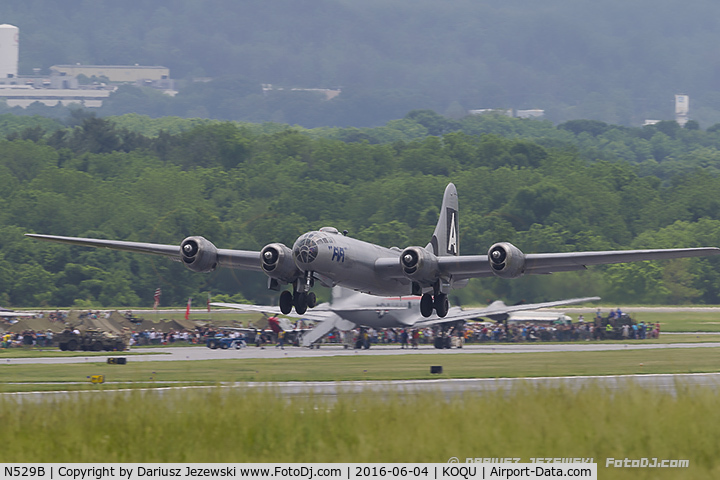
(198,353)
(662,383)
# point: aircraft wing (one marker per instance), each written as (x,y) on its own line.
(16,314)
(472,266)
(497,311)
(317,314)
(239,259)
(366,308)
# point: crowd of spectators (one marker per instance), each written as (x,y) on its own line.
(616,326)
(27,338)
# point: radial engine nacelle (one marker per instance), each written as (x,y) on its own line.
(419,265)
(278,262)
(506,260)
(199,254)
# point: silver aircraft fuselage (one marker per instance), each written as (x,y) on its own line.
(340,260)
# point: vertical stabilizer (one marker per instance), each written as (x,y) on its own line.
(446,238)
(340,295)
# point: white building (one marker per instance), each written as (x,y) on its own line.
(682,109)
(25,95)
(9,50)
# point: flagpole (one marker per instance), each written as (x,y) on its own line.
(208,307)
(158,292)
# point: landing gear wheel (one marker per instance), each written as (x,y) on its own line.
(286,302)
(311,300)
(426,305)
(301,303)
(441,304)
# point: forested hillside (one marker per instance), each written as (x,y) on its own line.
(243,186)
(615,61)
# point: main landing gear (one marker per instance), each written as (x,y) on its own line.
(439,303)
(301,302)
(301,298)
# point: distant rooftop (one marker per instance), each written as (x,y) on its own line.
(115,73)
(123,67)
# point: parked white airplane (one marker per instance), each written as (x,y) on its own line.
(350,309)
(4,313)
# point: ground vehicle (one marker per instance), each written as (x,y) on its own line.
(221,341)
(91,340)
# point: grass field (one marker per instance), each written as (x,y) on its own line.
(680,321)
(506,365)
(240,426)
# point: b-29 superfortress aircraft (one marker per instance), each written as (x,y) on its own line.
(333,259)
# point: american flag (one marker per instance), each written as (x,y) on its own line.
(158,292)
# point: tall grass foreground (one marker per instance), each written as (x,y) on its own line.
(235,425)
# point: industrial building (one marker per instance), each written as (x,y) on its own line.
(62,85)
(115,73)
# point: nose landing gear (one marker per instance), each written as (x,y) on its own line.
(301,298)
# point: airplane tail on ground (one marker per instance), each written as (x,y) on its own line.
(342,293)
(445,240)
(322,329)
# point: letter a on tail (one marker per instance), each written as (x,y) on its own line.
(445,239)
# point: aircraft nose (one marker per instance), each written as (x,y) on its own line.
(305,250)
